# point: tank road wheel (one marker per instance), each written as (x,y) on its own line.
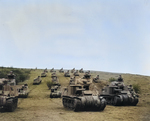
(102,104)
(77,105)
(136,100)
(116,101)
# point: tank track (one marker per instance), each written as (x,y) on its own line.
(122,100)
(86,103)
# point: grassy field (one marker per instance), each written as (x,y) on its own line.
(39,107)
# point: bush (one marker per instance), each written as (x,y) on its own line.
(49,84)
(112,79)
(137,88)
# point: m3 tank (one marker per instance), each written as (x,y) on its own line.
(37,80)
(61,70)
(73,70)
(55,91)
(76,73)
(67,74)
(78,97)
(118,94)
(23,91)
(96,79)
(43,74)
(81,70)
(52,70)
(8,96)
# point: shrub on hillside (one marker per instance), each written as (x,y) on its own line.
(49,84)
(21,75)
(137,88)
(112,79)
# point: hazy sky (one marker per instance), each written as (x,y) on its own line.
(102,35)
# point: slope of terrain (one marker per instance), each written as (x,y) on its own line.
(39,107)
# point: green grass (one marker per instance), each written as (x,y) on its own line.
(112,79)
(137,88)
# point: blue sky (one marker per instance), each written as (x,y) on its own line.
(100,35)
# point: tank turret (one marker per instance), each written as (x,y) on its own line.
(52,70)
(23,91)
(45,70)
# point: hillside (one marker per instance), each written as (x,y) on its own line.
(39,107)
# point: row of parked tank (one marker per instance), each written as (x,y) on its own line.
(77,96)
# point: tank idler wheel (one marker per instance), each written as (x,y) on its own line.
(116,101)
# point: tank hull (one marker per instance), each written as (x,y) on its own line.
(23,95)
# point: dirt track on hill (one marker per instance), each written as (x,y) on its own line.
(39,107)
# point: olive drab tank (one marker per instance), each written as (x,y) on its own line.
(119,94)
(8,96)
(81,70)
(55,79)
(76,73)
(43,74)
(67,74)
(37,80)
(61,70)
(78,97)
(96,79)
(45,70)
(23,91)
(52,70)
(73,70)
(53,75)
(55,91)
